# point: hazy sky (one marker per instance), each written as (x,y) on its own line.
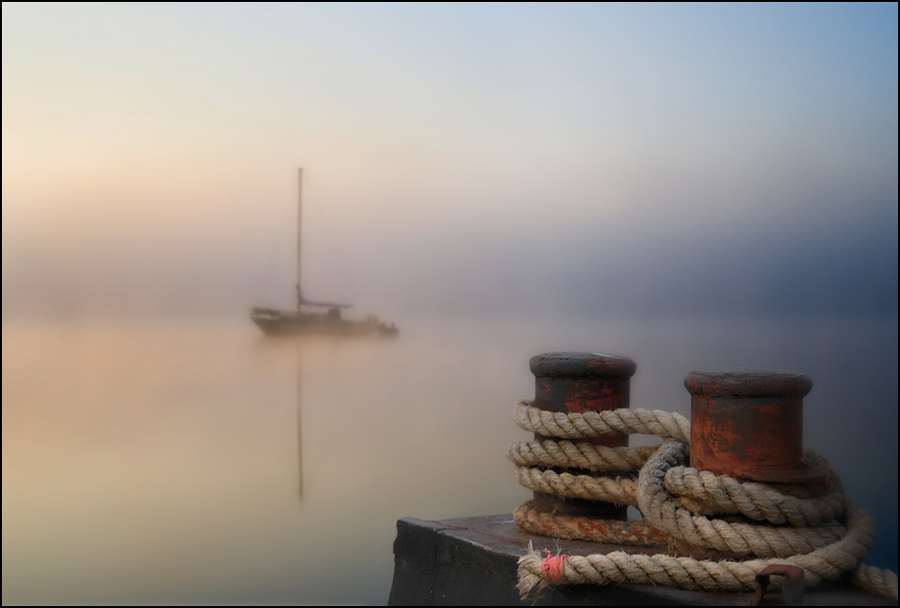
(456,157)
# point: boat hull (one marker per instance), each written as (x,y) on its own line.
(280,323)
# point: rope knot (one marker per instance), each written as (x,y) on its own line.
(688,505)
(552,569)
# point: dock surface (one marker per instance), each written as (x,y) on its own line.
(472,561)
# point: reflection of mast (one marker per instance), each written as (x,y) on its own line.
(300,419)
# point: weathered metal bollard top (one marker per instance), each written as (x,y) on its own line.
(748,424)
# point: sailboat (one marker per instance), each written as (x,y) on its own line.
(314,317)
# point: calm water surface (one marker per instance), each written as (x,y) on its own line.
(175,461)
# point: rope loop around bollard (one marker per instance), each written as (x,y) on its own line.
(795,526)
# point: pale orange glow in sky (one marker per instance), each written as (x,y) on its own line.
(170,135)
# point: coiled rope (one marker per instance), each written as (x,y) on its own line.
(682,502)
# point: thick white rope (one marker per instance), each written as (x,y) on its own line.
(697,489)
(679,501)
(602,424)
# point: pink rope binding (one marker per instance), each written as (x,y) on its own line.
(552,569)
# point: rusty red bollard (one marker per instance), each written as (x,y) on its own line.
(748,424)
(581,382)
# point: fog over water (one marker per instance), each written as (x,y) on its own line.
(197,461)
(688,185)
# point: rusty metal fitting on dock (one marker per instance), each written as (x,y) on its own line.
(581,382)
(748,424)
(791,588)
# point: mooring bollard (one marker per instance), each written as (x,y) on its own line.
(581,382)
(748,424)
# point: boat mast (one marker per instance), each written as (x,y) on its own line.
(299,223)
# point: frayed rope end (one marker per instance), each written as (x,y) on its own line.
(535,574)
